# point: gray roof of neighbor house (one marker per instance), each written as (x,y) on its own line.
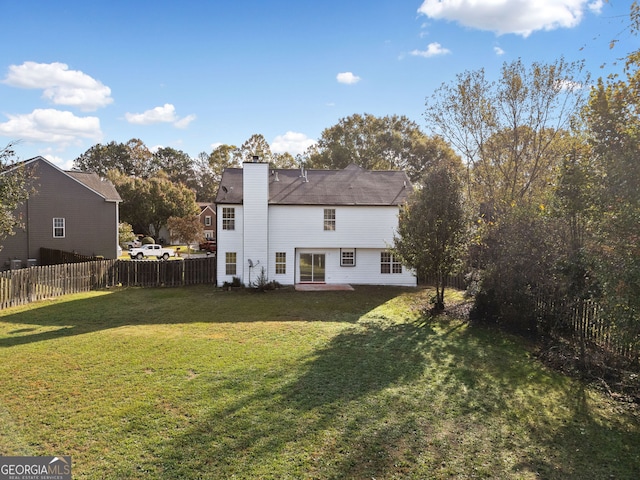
(91,180)
(351,186)
(95,183)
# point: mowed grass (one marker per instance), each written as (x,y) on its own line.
(200,383)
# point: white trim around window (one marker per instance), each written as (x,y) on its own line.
(347,257)
(59,229)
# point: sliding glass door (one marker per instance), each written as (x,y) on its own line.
(312,267)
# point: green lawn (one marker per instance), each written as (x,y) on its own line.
(199,383)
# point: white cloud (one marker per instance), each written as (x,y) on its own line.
(347,78)
(596,6)
(184,122)
(59,161)
(50,125)
(521,17)
(498,51)
(291,142)
(568,85)
(60,85)
(164,114)
(433,49)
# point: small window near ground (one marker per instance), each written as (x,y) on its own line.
(228,218)
(348,257)
(58,228)
(281,263)
(389,263)
(330,219)
(230,263)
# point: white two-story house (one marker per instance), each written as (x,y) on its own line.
(310,226)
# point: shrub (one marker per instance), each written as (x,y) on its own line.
(235,282)
(262,283)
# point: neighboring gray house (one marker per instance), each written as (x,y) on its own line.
(69,210)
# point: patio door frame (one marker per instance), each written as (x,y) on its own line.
(318,267)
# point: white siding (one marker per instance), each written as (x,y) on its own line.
(356,226)
(229,241)
(255,191)
(300,229)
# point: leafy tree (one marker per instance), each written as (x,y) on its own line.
(255,145)
(205,181)
(431,226)
(376,143)
(507,130)
(520,258)
(613,120)
(284,160)
(14,190)
(125,233)
(133,159)
(147,204)
(224,156)
(187,229)
(176,164)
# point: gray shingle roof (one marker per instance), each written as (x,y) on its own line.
(351,186)
(95,183)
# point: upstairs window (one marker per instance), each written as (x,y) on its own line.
(330,219)
(228,218)
(207,221)
(58,228)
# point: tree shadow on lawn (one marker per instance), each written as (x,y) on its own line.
(403,400)
(280,425)
(164,306)
(554,426)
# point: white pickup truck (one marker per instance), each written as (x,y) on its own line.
(152,250)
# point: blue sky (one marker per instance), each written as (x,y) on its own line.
(194,74)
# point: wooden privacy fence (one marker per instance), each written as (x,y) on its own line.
(19,287)
(452,281)
(585,320)
(174,273)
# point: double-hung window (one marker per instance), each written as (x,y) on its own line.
(230,263)
(207,221)
(347,257)
(389,263)
(228,218)
(58,227)
(330,219)
(281,263)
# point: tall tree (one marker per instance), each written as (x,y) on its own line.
(613,119)
(224,156)
(256,145)
(132,158)
(506,129)
(147,204)
(176,164)
(14,190)
(186,229)
(205,180)
(432,224)
(375,143)
(284,160)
